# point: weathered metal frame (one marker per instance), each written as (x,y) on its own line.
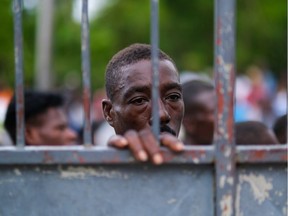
(19,86)
(224,72)
(223,154)
(105,155)
(85,49)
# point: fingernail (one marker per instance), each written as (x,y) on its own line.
(179,146)
(142,155)
(157,158)
(123,141)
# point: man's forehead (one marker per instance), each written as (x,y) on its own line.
(138,77)
(206,98)
(145,66)
(53,114)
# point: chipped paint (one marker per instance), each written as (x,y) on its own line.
(196,160)
(237,201)
(260,186)
(226,205)
(224,180)
(229,167)
(284,210)
(230,180)
(171,201)
(17,172)
(83,172)
(227,151)
(279,193)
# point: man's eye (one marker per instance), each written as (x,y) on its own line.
(174,97)
(61,127)
(138,101)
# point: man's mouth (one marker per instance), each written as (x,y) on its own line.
(167,129)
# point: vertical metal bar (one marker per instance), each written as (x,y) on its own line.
(44,39)
(224,63)
(85,49)
(19,89)
(155,67)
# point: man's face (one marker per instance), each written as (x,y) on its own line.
(131,107)
(202,117)
(52,130)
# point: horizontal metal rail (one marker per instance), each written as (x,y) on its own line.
(105,155)
(261,154)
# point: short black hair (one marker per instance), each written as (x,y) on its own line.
(192,88)
(252,132)
(35,104)
(280,129)
(127,56)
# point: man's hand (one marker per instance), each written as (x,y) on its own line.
(144,145)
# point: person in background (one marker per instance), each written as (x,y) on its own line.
(128,108)
(45,120)
(254,133)
(200,102)
(280,129)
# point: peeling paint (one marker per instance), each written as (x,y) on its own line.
(227,151)
(196,160)
(226,205)
(237,201)
(230,180)
(172,201)
(279,193)
(17,172)
(284,210)
(82,172)
(222,181)
(259,186)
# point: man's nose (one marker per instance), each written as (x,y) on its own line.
(71,136)
(164,115)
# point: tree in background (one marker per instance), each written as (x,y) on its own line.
(186,33)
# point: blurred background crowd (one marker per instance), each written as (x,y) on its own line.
(186,34)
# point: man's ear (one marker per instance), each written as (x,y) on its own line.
(31,135)
(108,111)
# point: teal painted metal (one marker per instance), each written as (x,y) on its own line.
(19,86)
(85,49)
(155,66)
(81,180)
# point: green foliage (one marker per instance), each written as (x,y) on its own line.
(186,33)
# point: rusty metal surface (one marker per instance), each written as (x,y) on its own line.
(85,49)
(118,190)
(105,155)
(224,67)
(96,155)
(19,89)
(262,154)
(155,66)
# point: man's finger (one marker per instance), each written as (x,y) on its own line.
(171,142)
(118,141)
(151,146)
(134,144)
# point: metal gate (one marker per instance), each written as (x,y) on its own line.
(221,179)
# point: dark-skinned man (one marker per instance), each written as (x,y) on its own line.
(128,108)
